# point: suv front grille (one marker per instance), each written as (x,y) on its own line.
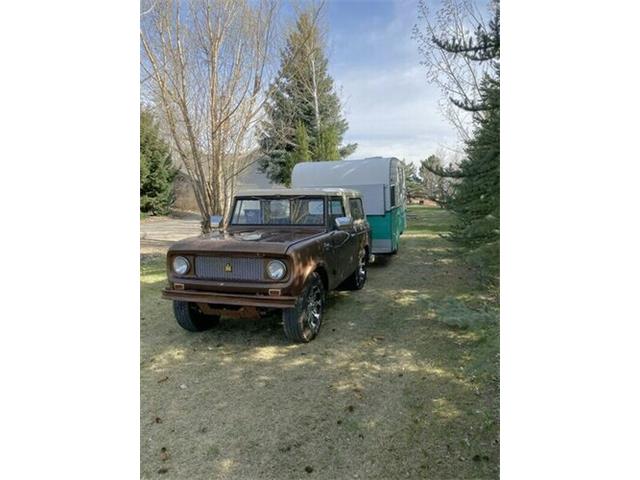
(217,268)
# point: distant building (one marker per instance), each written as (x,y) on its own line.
(251,178)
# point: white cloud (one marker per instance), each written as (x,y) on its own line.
(390,107)
(394,113)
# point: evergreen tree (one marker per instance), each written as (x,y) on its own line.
(436,187)
(302,94)
(156,169)
(412,181)
(301,152)
(475,197)
(327,145)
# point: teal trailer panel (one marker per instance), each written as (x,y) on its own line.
(386,230)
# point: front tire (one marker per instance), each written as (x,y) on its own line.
(302,322)
(189,317)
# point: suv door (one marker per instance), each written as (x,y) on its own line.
(360,229)
(336,247)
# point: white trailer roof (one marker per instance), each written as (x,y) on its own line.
(370,176)
(366,171)
(297,191)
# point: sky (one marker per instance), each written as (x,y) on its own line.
(391,108)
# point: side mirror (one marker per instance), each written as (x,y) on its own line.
(343,222)
(216,221)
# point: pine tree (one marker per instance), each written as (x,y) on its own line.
(475,197)
(156,169)
(327,145)
(301,152)
(412,181)
(302,94)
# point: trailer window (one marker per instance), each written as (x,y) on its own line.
(355,204)
(392,194)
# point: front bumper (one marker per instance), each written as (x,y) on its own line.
(235,299)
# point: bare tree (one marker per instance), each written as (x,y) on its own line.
(456,75)
(206,66)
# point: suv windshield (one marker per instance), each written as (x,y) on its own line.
(278,211)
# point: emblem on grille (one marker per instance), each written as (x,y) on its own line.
(228,268)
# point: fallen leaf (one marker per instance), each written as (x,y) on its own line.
(163,379)
(164,455)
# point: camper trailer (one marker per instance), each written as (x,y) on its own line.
(381,183)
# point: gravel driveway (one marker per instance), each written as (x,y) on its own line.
(158,233)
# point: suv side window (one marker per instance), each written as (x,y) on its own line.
(336,208)
(355,205)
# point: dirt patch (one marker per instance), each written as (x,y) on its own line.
(387,390)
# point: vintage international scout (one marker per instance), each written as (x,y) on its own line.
(281,249)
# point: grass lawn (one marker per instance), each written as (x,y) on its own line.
(402,382)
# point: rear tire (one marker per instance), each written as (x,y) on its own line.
(358,278)
(302,322)
(189,317)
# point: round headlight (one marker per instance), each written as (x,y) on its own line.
(276,269)
(180,265)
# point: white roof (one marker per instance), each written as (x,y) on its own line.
(297,191)
(366,171)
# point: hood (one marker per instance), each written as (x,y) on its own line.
(260,240)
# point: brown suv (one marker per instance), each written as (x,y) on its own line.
(281,249)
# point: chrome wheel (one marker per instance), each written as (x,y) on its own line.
(313,313)
(302,322)
(361,272)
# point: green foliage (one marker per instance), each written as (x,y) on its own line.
(475,196)
(302,152)
(302,95)
(284,161)
(327,145)
(156,169)
(412,180)
(457,314)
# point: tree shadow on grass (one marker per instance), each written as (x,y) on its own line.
(379,393)
(387,390)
